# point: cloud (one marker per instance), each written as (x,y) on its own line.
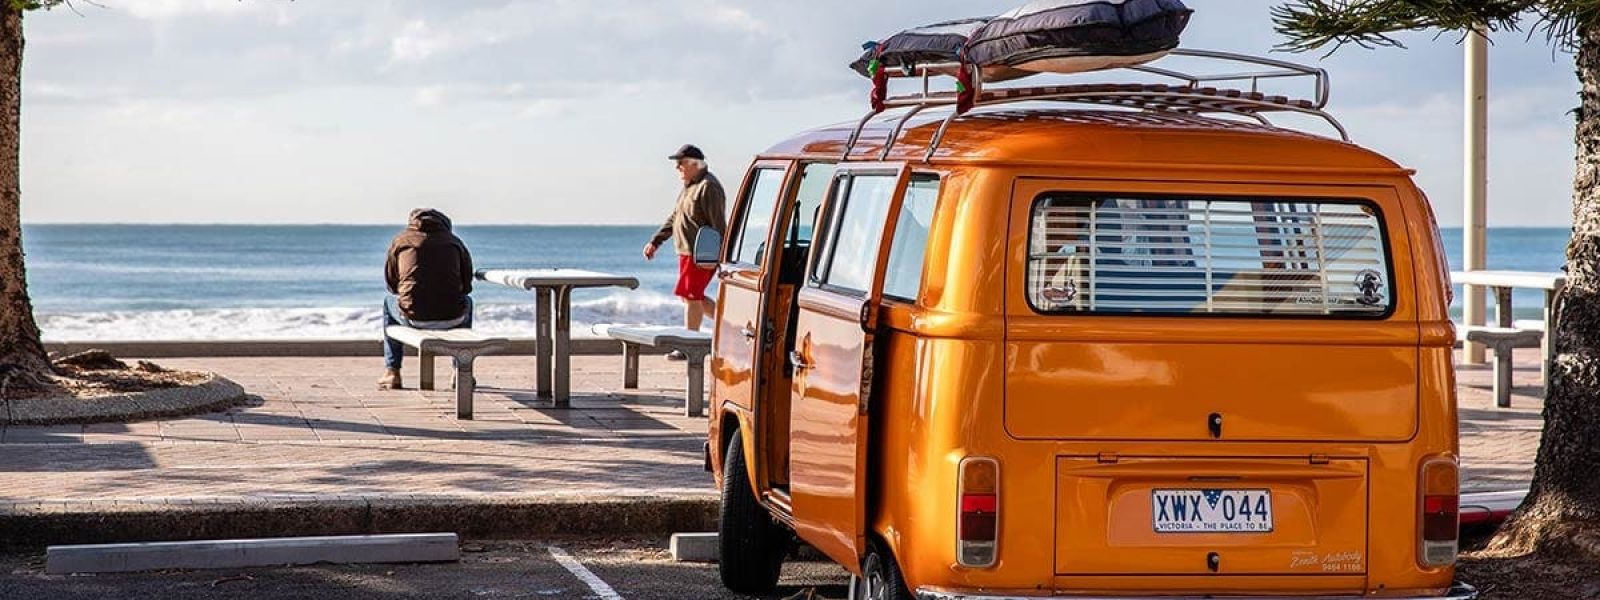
(433,95)
(738,19)
(169,9)
(484,76)
(416,42)
(546,108)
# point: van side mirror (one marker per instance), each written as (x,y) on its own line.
(707,248)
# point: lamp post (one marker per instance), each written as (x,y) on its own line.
(1474,231)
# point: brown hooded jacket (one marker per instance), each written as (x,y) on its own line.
(429,269)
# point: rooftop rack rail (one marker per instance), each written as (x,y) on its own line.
(1192,94)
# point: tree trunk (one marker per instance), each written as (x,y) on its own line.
(1562,512)
(23,366)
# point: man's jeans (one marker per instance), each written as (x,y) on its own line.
(393,351)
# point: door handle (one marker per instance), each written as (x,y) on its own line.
(748,333)
(798,361)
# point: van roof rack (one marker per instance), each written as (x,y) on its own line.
(1192,94)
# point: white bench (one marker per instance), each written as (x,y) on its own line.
(1503,341)
(462,345)
(694,344)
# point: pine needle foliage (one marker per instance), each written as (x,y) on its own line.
(1315,24)
(37,4)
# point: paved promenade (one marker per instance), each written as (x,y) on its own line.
(319,431)
(1498,444)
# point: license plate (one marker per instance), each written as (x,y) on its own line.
(1211,511)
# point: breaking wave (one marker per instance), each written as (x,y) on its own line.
(517,320)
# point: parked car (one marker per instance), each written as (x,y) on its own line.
(1049,349)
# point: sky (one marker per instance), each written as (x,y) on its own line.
(563,111)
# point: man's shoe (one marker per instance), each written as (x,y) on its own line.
(390,381)
(677,356)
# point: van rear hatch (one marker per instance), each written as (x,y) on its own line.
(1226,385)
(1211,516)
(1164,318)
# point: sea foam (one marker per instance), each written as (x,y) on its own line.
(517,320)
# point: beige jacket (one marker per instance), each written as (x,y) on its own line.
(700,204)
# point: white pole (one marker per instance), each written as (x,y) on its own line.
(1476,216)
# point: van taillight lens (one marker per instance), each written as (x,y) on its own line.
(978,528)
(1441,512)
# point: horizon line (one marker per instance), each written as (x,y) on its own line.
(318,224)
(389,224)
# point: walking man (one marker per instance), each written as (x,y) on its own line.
(700,204)
(429,273)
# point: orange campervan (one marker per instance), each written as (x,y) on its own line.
(1154,346)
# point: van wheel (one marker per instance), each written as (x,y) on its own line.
(751,545)
(880,577)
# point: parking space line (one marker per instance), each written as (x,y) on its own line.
(597,585)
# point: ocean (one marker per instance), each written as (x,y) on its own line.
(197,282)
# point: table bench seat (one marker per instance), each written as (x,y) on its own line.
(694,344)
(1504,341)
(1502,284)
(463,346)
(552,290)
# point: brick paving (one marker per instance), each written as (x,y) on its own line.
(1498,444)
(317,430)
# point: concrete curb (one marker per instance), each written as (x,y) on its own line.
(490,517)
(269,552)
(213,395)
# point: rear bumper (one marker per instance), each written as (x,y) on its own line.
(1460,591)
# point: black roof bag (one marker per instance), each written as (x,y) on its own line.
(1074,36)
(939,43)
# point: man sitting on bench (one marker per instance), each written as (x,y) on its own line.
(429,273)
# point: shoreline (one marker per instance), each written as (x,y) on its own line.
(588,345)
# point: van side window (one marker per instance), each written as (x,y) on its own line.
(855,231)
(909,248)
(756,217)
(814,182)
(1164,255)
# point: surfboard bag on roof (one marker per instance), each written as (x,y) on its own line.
(1075,36)
(936,44)
(940,43)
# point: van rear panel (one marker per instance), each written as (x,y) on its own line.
(1212,390)
(1148,516)
(1226,313)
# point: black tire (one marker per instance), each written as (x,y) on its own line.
(881,578)
(751,544)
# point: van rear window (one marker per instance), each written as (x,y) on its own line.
(1165,255)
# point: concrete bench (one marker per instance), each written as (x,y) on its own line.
(462,345)
(1503,341)
(694,344)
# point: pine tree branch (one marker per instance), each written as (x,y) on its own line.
(1563,21)
(1313,24)
(37,4)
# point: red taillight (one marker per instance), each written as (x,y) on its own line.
(1441,511)
(978,518)
(1441,518)
(978,524)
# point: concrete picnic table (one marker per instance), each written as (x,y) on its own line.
(553,291)
(1501,283)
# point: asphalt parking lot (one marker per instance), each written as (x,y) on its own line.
(555,569)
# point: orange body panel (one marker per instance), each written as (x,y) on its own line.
(1087,414)
(827,429)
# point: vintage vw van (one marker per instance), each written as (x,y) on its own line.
(1126,341)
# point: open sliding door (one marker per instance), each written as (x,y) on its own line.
(833,358)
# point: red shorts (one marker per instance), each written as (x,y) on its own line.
(692,280)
